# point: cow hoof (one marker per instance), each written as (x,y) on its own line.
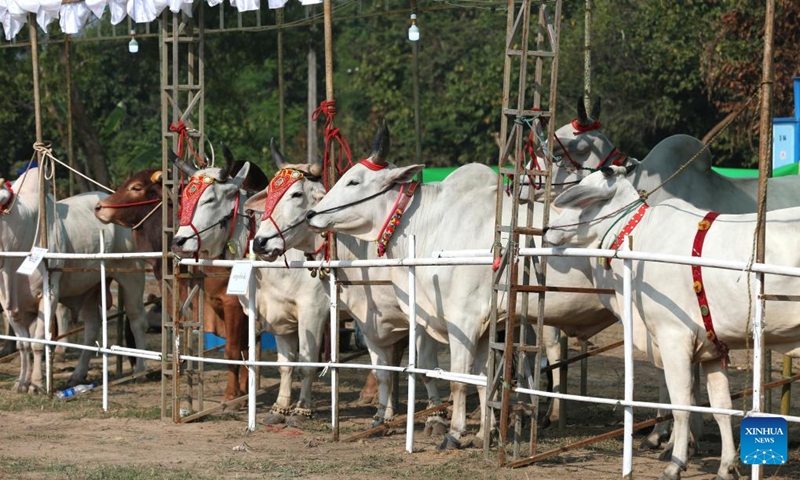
(36,389)
(296,420)
(273,418)
(19,387)
(649,444)
(449,443)
(435,426)
(666,454)
(477,442)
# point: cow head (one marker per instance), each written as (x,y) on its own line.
(591,208)
(209,204)
(580,148)
(133,201)
(292,193)
(362,199)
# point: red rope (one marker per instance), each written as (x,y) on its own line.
(185,140)
(328,108)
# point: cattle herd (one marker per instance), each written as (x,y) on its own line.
(682,315)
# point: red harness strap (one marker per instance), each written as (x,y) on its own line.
(627,230)
(393,221)
(697,276)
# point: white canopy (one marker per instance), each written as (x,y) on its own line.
(73,16)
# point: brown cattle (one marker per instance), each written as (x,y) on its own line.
(137,205)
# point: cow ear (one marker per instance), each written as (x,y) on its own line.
(318,192)
(257,201)
(582,196)
(238,180)
(404,174)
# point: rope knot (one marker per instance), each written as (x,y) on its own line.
(326,107)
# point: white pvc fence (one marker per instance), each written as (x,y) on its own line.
(465,257)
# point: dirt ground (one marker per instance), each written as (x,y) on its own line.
(76,440)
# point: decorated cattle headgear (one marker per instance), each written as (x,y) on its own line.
(191,195)
(278,186)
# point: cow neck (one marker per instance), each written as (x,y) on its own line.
(699,288)
(391,223)
(243,229)
(627,230)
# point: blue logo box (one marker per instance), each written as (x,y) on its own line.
(764,440)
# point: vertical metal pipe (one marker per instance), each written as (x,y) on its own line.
(70,145)
(334,298)
(627,323)
(251,351)
(415,79)
(103,303)
(412,344)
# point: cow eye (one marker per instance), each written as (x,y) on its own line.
(352,183)
(136,188)
(297,194)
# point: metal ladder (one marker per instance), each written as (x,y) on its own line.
(182,92)
(509,282)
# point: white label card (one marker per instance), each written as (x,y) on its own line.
(240,278)
(32,261)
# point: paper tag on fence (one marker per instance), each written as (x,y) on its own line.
(32,261)
(240,278)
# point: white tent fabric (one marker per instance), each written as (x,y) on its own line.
(73,16)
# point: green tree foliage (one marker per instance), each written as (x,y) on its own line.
(660,68)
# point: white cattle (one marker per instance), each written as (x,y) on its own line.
(376,307)
(296,188)
(458,213)
(668,297)
(289,302)
(582,148)
(72,229)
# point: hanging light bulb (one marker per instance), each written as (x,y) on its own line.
(413,30)
(133,45)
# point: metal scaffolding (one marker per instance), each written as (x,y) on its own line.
(532,34)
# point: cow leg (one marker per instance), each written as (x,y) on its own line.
(63,322)
(133,287)
(287,352)
(462,360)
(661,431)
(89,313)
(481,368)
(236,329)
(552,343)
(17,323)
(719,396)
(427,350)
(381,356)
(311,327)
(677,370)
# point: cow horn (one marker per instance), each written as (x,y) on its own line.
(380,147)
(181,164)
(596,109)
(583,119)
(280,161)
(226,152)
